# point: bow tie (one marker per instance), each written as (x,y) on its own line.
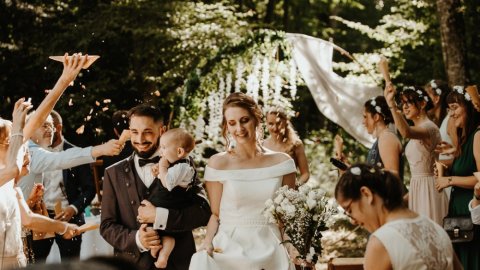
(144,161)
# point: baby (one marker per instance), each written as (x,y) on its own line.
(177,174)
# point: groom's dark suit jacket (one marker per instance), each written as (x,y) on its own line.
(122,193)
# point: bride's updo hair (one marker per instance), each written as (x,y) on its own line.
(239,99)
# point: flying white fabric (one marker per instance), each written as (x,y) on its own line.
(339,100)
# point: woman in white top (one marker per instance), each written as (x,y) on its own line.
(401,239)
(238,182)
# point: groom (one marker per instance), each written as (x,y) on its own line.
(127,183)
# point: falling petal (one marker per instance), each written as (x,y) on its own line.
(105,109)
(88,118)
(97,103)
(157,93)
(45,68)
(81,129)
(91,110)
(107,100)
(83,86)
(70,102)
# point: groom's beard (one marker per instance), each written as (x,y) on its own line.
(149,152)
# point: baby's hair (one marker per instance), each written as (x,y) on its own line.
(184,139)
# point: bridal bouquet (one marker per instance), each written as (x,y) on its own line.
(303,214)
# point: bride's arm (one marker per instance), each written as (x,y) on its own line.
(214,191)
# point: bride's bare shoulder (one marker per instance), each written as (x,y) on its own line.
(276,157)
(219,161)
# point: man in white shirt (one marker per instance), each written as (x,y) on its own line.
(73,189)
(127,183)
(43,160)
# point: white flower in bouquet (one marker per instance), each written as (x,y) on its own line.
(303,214)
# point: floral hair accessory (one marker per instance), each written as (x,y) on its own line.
(459,89)
(419,92)
(474,95)
(435,87)
(373,102)
(378,109)
(356,171)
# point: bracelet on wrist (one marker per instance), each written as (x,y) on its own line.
(449,181)
(16,134)
(66,229)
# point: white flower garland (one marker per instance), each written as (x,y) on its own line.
(460,89)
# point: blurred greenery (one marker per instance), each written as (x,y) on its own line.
(169,53)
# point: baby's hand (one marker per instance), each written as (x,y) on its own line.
(155,170)
(163,164)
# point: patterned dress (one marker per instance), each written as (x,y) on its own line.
(416,243)
(423,196)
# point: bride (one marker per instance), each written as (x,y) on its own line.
(238,182)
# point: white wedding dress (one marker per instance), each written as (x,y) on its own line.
(245,240)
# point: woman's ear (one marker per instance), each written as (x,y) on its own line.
(367,194)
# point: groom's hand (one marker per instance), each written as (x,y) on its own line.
(148,237)
(146,212)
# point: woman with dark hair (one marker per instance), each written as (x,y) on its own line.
(438,91)
(386,151)
(467,161)
(401,239)
(424,136)
(283,138)
(238,183)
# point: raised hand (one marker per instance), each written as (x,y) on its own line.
(20,111)
(111,148)
(338,147)
(72,66)
(389,92)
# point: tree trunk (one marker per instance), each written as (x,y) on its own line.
(452,30)
(286,14)
(270,11)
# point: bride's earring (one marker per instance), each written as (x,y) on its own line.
(231,142)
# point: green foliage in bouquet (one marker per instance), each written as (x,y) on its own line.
(303,213)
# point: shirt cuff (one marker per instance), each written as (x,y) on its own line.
(74,208)
(139,244)
(475,213)
(161,218)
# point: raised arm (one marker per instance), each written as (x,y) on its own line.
(14,159)
(407,131)
(70,71)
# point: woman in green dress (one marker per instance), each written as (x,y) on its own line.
(466,161)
